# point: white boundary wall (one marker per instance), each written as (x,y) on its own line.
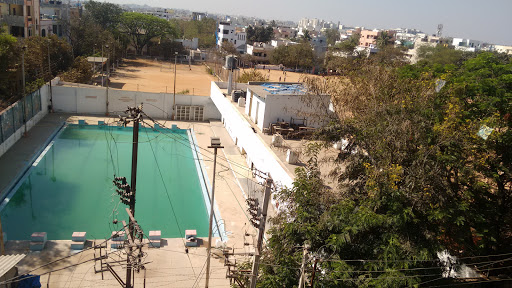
(88,99)
(45,92)
(257,152)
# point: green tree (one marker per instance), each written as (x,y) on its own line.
(259,34)
(204,30)
(81,72)
(9,57)
(384,39)
(141,28)
(306,35)
(332,35)
(418,176)
(298,56)
(348,45)
(105,14)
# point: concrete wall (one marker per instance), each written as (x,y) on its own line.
(30,123)
(87,99)
(312,107)
(257,152)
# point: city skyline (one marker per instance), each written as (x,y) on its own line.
(472,19)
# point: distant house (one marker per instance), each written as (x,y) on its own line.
(260,51)
(229,33)
(467,45)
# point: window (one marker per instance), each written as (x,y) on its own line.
(43,32)
(235,41)
(225,32)
(189,113)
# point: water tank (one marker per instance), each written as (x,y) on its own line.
(230,62)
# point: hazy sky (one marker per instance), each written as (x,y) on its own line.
(489,20)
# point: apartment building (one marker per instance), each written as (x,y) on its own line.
(51,14)
(21,17)
(229,33)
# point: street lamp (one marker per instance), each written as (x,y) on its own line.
(215,144)
(174,94)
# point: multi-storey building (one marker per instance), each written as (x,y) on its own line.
(52,14)
(20,16)
(229,33)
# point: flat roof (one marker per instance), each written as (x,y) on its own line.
(97,59)
(276,88)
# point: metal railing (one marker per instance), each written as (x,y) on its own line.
(13,118)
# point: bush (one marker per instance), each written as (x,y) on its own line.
(251,75)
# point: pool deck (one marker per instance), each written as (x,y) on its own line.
(169,265)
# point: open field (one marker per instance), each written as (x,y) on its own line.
(279,76)
(157,76)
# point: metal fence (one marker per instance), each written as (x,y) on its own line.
(13,118)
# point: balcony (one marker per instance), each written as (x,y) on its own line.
(14,20)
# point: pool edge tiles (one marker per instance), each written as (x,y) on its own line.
(206,186)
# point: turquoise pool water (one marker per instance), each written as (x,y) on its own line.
(70,187)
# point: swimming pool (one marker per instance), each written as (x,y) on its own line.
(69,186)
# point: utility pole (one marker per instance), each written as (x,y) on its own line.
(174,94)
(51,77)
(127,192)
(215,144)
(24,48)
(101,65)
(302,280)
(108,76)
(261,232)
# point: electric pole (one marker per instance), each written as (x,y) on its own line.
(174,94)
(215,144)
(261,232)
(24,48)
(127,192)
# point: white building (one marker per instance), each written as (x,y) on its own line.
(268,103)
(467,45)
(260,51)
(189,44)
(229,33)
(503,49)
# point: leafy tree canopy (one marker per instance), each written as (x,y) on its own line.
(105,14)
(259,34)
(418,176)
(141,28)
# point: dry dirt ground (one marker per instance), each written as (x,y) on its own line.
(158,76)
(279,76)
